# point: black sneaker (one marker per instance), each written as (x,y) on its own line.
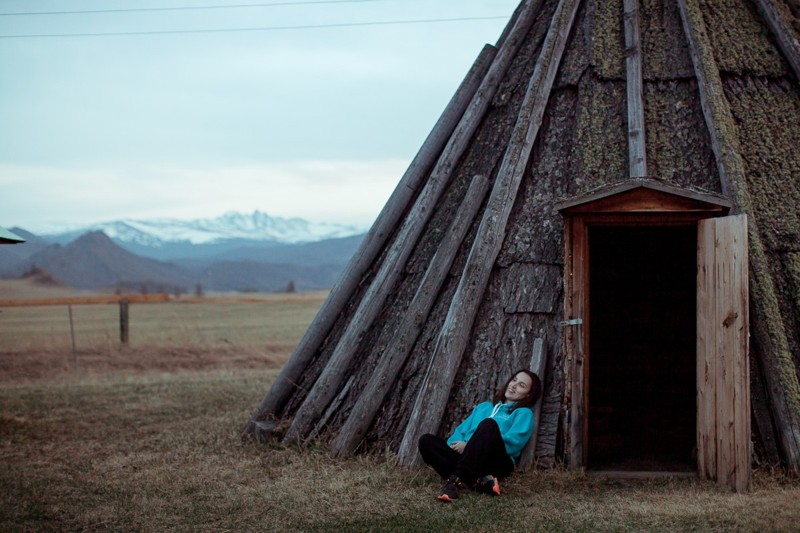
(488,485)
(449,492)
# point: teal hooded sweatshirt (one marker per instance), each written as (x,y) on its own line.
(516,427)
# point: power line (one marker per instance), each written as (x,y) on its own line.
(266,28)
(183,8)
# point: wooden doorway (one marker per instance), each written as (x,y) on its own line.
(642,372)
(681,253)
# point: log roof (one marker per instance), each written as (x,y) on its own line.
(721,102)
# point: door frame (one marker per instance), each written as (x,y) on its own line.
(636,202)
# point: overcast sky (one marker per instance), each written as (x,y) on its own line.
(315,122)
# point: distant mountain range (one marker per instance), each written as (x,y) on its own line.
(234,252)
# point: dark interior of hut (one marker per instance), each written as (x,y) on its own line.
(641,360)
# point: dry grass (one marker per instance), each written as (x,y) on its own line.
(162,452)
(147,439)
(222,332)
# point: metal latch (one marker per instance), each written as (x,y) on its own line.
(571,322)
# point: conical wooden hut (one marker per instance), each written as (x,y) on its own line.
(613,196)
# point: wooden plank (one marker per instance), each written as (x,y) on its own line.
(725,359)
(739,329)
(455,333)
(538,365)
(567,335)
(637,152)
(376,238)
(578,424)
(706,340)
(392,361)
(587,202)
(330,380)
(722,349)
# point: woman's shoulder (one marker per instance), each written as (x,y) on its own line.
(522,411)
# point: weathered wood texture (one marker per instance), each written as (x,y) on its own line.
(768,328)
(538,365)
(430,405)
(376,238)
(483,156)
(576,296)
(637,145)
(393,360)
(395,261)
(724,443)
(582,144)
(706,355)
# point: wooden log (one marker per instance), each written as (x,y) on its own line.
(375,239)
(392,361)
(789,45)
(332,408)
(394,262)
(706,360)
(766,328)
(454,335)
(539,366)
(637,153)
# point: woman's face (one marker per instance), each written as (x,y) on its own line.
(519,387)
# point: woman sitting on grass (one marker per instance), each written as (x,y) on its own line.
(486,445)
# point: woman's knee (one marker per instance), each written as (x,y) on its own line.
(488,424)
(425,441)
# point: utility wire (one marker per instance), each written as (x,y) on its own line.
(183,8)
(266,28)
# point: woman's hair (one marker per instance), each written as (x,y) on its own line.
(533,394)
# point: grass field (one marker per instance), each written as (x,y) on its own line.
(222,331)
(144,446)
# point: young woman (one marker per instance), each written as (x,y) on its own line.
(486,445)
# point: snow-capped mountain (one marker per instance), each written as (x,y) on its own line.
(256,226)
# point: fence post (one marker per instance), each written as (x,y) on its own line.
(72,337)
(124,321)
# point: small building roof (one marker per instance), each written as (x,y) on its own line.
(6,237)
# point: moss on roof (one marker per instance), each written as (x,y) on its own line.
(608,39)
(602,142)
(678,143)
(740,39)
(789,11)
(665,54)
(767,114)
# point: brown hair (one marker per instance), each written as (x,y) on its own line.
(533,394)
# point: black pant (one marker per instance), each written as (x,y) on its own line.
(483,455)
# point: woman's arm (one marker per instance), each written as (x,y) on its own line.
(466,428)
(517,435)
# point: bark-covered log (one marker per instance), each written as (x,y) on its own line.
(337,367)
(637,152)
(376,238)
(539,366)
(393,360)
(452,341)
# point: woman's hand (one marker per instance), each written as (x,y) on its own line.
(458,446)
